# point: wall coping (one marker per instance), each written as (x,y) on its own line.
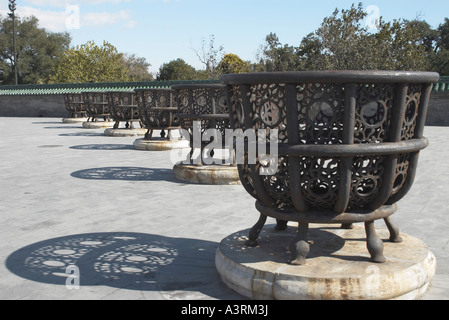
(65,88)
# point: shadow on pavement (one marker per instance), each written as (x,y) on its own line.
(81,134)
(133,261)
(126,174)
(103,147)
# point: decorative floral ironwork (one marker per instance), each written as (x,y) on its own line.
(97,106)
(206,105)
(373,113)
(75,105)
(157,109)
(348,146)
(124,108)
(320,113)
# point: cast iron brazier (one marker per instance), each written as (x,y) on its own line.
(157,108)
(205,104)
(348,146)
(75,105)
(124,108)
(97,106)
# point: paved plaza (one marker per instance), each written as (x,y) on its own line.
(74,197)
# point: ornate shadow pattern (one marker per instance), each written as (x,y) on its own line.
(132,261)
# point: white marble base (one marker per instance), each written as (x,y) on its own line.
(74,120)
(207,174)
(337,268)
(122,132)
(160,144)
(98,124)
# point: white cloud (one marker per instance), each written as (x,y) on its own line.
(104,18)
(164,1)
(50,20)
(60,4)
(59,20)
(130,24)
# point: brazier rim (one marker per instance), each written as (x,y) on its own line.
(198,86)
(335,76)
(152,89)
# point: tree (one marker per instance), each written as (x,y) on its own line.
(443,35)
(343,42)
(425,35)
(440,58)
(210,57)
(176,70)
(232,63)
(91,63)
(38,51)
(273,56)
(343,39)
(137,68)
(310,54)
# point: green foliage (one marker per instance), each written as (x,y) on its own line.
(38,51)
(91,63)
(210,57)
(177,70)
(137,68)
(273,56)
(343,42)
(440,62)
(439,59)
(232,63)
(443,35)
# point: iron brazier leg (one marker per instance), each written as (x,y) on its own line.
(300,248)
(394,230)
(281,225)
(374,244)
(255,231)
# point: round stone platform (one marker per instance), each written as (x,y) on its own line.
(207,174)
(123,132)
(338,266)
(98,124)
(74,120)
(158,144)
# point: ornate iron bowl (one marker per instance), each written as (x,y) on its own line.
(97,106)
(74,104)
(207,105)
(348,147)
(124,108)
(157,109)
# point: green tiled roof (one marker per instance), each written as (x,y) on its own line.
(54,89)
(442,85)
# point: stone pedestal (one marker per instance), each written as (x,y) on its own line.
(122,132)
(98,124)
(74,120)
(155,144)
(207,174)
(338,266)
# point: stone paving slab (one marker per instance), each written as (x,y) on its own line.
(72,196)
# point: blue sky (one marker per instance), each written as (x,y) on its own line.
(164,30)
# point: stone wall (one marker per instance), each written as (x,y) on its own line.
(52,106)
(438,114)
(47,106)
